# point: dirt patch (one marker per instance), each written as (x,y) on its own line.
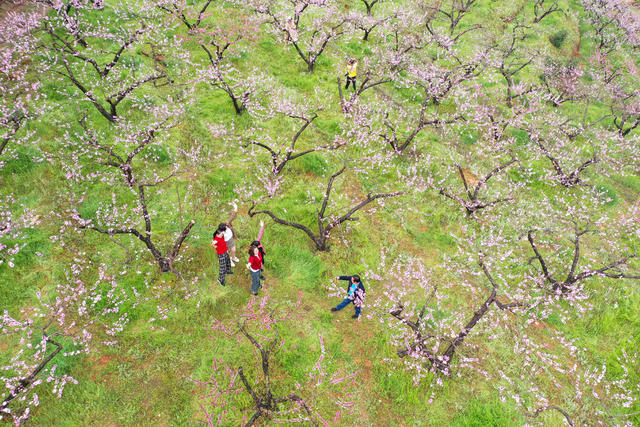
(98,365)
(10,7)
(7,7)
(103,361)
(471,179)
(575,53)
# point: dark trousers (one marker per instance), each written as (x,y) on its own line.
(255,281)
(225,266)
(353,81)
(345,303)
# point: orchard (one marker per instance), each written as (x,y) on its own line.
(320,212)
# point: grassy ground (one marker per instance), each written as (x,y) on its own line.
(142,381)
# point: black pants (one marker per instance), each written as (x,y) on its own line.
(225,266)
(352,80)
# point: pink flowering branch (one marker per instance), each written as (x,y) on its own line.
(24,383)
(123,166)
(79,315)
(310,37)
(217,39)
(418,346)
(325,223)
(573,274)
(258,324)
(544,8)
(533,415)
(473,203)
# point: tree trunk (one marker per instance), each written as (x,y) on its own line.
(450,351)
(165,264)
(321,244)
(239,108)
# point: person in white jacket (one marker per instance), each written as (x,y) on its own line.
(229,234)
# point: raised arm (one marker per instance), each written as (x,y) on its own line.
(234,214)
(344,277)
(261,232)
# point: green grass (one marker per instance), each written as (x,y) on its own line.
(480,414)
(314,164)
(142,380)
(20,163)
(298,268)
(607,194)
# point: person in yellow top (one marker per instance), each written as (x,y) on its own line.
(352,72)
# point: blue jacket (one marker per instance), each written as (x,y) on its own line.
(348,279)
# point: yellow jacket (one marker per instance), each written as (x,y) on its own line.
(352,70)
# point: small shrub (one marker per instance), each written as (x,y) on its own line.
(558,38)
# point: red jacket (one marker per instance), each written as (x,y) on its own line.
(221,245)
(256,262)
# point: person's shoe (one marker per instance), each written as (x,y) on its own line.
(355,316)
(254,293)
(231,272)
(235,259)
(221,284)
(233,264)
(334,309)
(263,278)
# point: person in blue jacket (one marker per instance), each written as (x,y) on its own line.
(355,294)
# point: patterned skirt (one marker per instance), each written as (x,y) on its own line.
(225,263)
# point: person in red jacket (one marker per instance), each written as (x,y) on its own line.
(255,268)
(256,260)
(223,255)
